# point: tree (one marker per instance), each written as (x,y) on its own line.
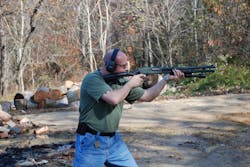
(228,30)
(20,29)
(48,41)
(165,25)
(4,59)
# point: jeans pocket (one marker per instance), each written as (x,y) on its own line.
(86,142)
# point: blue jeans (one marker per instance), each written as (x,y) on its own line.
(95,151)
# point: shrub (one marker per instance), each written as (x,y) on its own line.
(226,78)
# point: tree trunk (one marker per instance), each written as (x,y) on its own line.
(149,50)
(163,59)
(20,82)
(91,54)
(103,31)
(195,7)
(169,44)
(2,87)
(81,33)
(2,61)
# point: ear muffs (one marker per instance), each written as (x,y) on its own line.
(110,67)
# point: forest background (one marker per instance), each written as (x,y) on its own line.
(45,42)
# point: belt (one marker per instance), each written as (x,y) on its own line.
(83,128)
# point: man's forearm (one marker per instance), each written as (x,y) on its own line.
(152,92)
(115,96)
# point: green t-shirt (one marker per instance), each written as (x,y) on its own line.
(96,113)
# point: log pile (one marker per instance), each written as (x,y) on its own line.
(13,126)
(44,95)
(10,126)
(47,97)
(67,95)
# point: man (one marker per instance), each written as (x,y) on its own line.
(101,103)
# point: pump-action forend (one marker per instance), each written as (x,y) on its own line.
(191,71)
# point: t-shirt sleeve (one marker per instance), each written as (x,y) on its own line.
(135,94)
(95,86)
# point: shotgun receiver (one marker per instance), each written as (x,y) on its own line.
(192,71)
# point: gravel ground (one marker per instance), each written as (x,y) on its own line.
(207,131)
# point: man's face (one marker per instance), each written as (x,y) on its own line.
(121,62)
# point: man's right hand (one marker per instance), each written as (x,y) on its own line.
(136,80)
(115,96)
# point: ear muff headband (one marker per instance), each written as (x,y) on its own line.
(111,64)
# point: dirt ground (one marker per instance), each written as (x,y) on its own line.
(209,131)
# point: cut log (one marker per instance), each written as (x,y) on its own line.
(48,97)
(73,95)
(4,116)
(41,104)
(5,106)
(56,103)
(41,130)
(25,121)
(20,102)
(31,104)
(55,94)
(45,98)
(74,105)
(27,94)
(69,84)
(25,100)
(4,129)
(4,135)
(40,96)
(11,123)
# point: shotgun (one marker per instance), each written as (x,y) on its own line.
(190,71)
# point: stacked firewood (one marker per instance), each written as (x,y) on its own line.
(67,95)
(10,126)
(47,97)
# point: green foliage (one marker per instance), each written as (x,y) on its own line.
(225,79)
